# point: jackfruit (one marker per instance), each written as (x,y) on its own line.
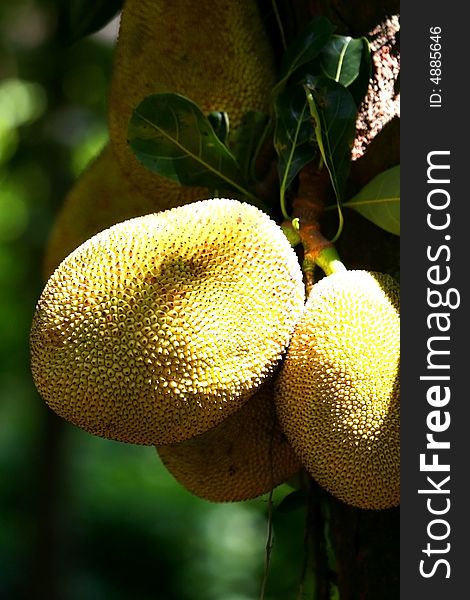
(245,456)
(158,328)
(338,392)
(215,53)
(100,197)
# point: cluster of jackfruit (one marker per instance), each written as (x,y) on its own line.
(187,329)
(167,330)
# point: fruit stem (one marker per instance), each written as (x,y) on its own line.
(329,261)
(308,207)
(291,233)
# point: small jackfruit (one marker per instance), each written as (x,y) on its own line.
(215,53)
(245,456)
(338,393)
(102,196)
(159,327)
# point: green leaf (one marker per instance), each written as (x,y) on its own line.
(80,18)
(304,48)
(334,111)
(170,136)
(379,200)
(220,124)
(341,57)
(360,85)
(294,136)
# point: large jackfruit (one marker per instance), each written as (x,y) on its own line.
(159,327)
(215,53)
(338,394)
(102,196)
(245,456)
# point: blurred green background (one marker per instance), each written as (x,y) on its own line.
(82,517)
